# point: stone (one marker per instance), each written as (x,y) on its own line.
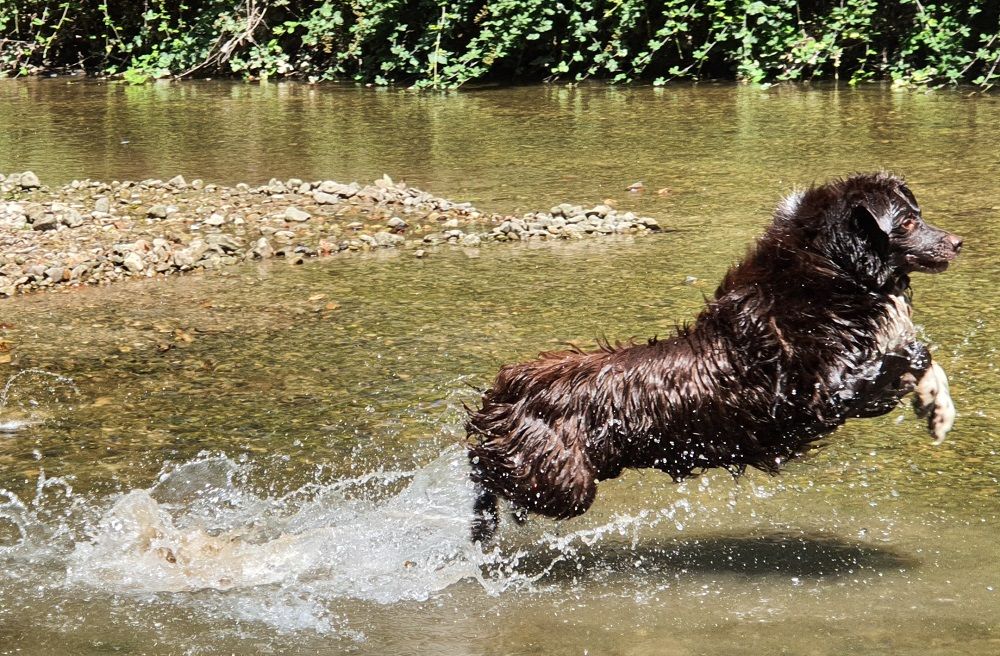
(215,220)
(324,198)
(71,218)
(29,180)
(57,274)
(387,239)
(158,212)
(102,205)
(45,222)
(227,243)
(295,214)
(396,224)
(133,262)
(36,271)
(80,270)
(177,182)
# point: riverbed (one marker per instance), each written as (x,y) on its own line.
(263,459)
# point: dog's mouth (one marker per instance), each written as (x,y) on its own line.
(927,265)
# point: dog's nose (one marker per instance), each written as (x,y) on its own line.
(956,242)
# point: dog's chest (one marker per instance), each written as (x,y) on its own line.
(896,328)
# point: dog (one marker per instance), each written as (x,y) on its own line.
(811,328)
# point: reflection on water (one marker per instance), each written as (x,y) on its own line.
(226,466)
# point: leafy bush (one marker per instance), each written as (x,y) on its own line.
(448,43)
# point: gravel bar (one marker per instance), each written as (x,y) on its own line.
(90,233)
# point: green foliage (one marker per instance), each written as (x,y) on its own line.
(448,43)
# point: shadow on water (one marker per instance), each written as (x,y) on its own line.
(805,556)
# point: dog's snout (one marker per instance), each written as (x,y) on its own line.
(955,242)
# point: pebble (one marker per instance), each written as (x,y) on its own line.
(133,262)
(295,214)
(29,180)
(158,212)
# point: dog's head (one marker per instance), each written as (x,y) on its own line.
(869,225)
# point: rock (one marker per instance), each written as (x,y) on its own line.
(396,224)
(158,212)
(295,214)
(337,189)
(57,274)
(102,205)
(80,270)
(323,198)
(470,240)
(45,222)
(133,262)
(227,243)
(387,239)
(419,253)
(71,218)
(36,271)
(29,180)
(215,220)
(177,182)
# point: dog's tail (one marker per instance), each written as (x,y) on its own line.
(486,516)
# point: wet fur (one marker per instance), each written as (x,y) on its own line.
(811,328)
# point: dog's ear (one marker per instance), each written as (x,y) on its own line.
(872,209)
(872,226)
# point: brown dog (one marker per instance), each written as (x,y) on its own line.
(811,328)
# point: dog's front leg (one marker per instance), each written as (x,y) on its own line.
(932,400)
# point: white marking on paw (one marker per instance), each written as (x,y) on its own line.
(934,399)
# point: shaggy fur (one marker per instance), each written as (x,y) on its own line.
(811,328)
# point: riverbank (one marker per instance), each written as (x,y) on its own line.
(90,233)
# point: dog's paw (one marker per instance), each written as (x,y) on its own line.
(933,402)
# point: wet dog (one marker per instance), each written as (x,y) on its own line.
(813,327)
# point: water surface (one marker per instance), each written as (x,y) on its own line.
(225,465)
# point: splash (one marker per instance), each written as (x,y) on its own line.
(195,530)
(26,415)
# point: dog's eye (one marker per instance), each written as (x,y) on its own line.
(908,224)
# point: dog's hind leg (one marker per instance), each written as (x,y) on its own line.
(933,402)
(486,516)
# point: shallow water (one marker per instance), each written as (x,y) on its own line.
(220,464)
